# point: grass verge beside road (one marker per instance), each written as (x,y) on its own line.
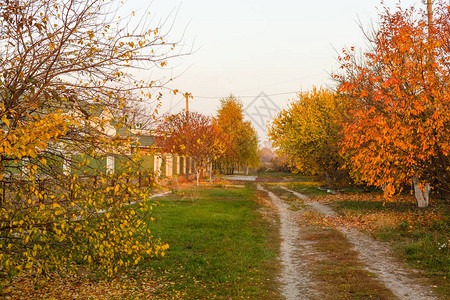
(342,275)
(219,245)
(420,236)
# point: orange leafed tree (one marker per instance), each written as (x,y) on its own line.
(193,135)
(398,130)
(242,150)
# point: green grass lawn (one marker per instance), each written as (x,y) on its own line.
(309,187)
(219,245)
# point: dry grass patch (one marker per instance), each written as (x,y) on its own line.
(267,210)
(342,275)
(81,287)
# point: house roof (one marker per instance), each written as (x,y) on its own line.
(144,137)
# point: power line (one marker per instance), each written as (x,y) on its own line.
(173,106)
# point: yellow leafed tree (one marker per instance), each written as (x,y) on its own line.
(309,132)
(66,73)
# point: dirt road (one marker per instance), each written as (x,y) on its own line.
(295,279)
(298,256)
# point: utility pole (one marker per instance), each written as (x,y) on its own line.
(187,159)
(187,95)
(430,19)
(430,31)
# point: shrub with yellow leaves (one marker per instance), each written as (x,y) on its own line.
(66,80)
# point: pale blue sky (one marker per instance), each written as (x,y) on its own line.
(247,47)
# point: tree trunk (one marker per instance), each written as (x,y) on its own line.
(198,175)
(210,172)
(328,179)
(422,192)
(246,172)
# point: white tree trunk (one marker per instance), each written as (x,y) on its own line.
(198,176)
(66,164)
(422,192)
(110,164)
(246,173)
